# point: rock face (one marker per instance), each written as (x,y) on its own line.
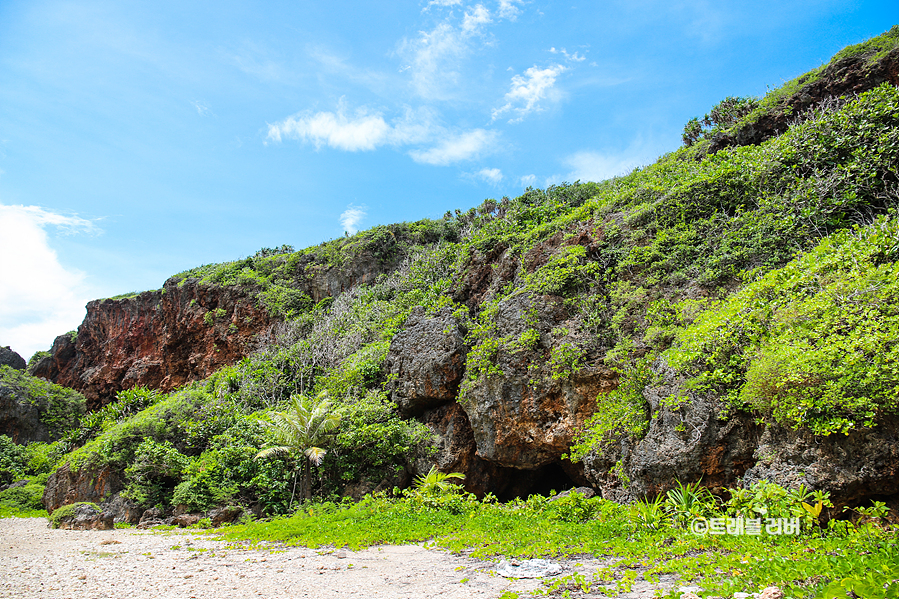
(86,517)
(161,339)
(852,468)
(526,416)
(10,358)
(687,444)
(66,486)
(425,362)
(20,419)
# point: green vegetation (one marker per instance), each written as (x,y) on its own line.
(733,114)
(301,431)
(659,538)
(68,511)
(23,501)
(59,408)
(813,344)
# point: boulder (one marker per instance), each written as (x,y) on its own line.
(10,358)
(86,516)
(66,486)
(225,515)
(185,520)
(152,517)
(425,362)
(587,492)
(20,419)
(123,510)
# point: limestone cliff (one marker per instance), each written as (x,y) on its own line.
(159,339)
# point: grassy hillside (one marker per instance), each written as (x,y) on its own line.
(765,273)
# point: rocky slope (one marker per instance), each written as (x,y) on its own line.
(551,298)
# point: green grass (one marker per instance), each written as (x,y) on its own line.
(802,565)
(15,512)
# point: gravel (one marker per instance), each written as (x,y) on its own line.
(36,561)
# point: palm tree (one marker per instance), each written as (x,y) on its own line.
(436,482)
(302,430)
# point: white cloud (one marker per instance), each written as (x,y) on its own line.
(491,175)
(508,10)
(434,58)
(464,146)
(433,61)
(443,3)
(363,131)
(527,93)
(352,217)
(472,21)
(528,180)
(39,298)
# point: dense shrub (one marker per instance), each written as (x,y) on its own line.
(59,408)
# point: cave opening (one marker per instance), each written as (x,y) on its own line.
(541,481)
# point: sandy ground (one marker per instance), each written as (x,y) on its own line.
(36,561)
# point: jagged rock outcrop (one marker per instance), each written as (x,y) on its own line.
(525,417)
(426,362)
(12,359)
(691,443)
(67,486)
(861,465)
(847,76)
(20,419)
(687,443)
(160,339)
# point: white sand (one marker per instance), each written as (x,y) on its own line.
(36,561)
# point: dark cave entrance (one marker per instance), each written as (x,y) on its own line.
(542,481)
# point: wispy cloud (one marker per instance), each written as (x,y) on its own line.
(576,57)
(39,297)
(434,58)
(528,180)
(529,92)
(491,175)
(464,146)
(202,108)
(442,3)
(352,217)
(473,20)
(596,166)
(508,9)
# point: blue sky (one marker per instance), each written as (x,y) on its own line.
(139,139)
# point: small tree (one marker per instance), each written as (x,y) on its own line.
(300,433)
(436,482)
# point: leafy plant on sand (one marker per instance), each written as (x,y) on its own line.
(437,483)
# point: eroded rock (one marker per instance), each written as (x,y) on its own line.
(687,443)
(160,339)
(525,415)
(426,362)
(85,516)
(12,359)
(852,468)
(67,486)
